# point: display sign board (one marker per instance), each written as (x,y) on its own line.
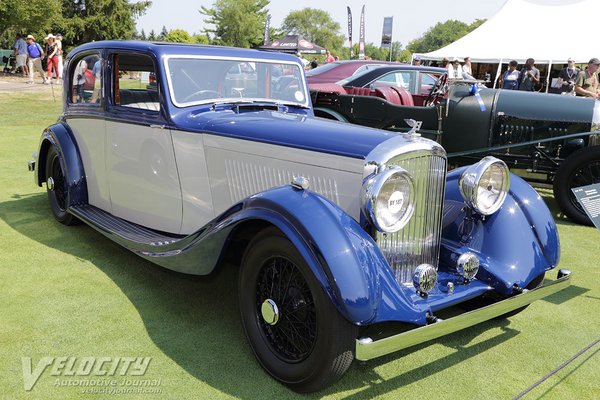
(589,198)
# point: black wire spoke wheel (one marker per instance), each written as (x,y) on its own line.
(293,337)
(296,333)
(581,168)
(57,189)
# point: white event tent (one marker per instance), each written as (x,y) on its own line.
(550,31)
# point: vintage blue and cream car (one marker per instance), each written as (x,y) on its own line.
(351,242)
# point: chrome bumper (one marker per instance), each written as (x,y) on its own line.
(367,348)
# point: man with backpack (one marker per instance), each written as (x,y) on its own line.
(35,55)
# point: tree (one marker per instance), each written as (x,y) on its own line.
(85,21)
(237,23)
(152,36)
(315,25)
(27,17)
(179,36)
(200,39)
(163,33)
(143,35)
(442,34)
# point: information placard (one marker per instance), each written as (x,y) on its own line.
(589,198)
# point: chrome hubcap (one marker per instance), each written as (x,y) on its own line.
(270,312)
(50,183)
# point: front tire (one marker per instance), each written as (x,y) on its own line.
(579,169)
(56,184)
(294,330)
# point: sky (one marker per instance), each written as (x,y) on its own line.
(411,18)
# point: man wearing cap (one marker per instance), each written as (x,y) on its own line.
(567,77)
(20,52)
(586,84)
(34,60)
(417,61)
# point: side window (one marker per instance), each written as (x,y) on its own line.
(134,81)
(395,79)
(86,79)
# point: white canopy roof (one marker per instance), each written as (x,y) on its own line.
(550,31)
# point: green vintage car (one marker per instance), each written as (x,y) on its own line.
(550,140)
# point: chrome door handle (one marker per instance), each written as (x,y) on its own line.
(157,126)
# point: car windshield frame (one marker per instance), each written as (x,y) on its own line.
(305,103)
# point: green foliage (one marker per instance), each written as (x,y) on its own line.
(179,36)
(86,21)
(201,39)
(238,23)
(78,21)
(163,33)
(315,25)
(152,36)
(26,17)
(442,34)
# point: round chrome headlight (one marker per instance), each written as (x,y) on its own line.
(425,278)
(484,185)
(387,199)
(467,265)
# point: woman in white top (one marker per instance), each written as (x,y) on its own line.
(59,54)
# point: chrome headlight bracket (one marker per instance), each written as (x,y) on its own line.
(387,199)
(484,185)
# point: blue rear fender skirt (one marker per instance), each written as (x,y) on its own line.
(515,245)
(61,137)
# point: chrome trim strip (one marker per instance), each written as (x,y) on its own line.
(367,349)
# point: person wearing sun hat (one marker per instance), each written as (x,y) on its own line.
(34,60)
(51,50)
(586,84)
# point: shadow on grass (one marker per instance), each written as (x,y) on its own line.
(194,320)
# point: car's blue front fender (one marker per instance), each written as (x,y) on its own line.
(343,257)
(516,244)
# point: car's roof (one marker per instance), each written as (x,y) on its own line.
(167,48)
(376,72)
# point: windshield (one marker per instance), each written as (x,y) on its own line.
(198,81)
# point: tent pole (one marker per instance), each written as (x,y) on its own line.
(548,76)
(497,74)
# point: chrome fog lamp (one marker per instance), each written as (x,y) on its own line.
(387,199)
(425,278)
(484,185)
(467,265)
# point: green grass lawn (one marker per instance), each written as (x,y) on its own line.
(68,291)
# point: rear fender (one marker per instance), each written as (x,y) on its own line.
(515,245)
(60,136)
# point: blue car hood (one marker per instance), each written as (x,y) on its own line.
(286,129)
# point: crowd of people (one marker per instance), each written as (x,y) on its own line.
(571,80)
(30,57)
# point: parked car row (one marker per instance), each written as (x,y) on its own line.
(351,242)
(547,139)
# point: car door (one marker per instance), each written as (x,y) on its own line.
(142,173)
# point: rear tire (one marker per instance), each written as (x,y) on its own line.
(58,194)
(305,344)
(579,169)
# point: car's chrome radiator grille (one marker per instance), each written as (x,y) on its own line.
(419,241)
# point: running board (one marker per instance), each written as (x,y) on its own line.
(110,225)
